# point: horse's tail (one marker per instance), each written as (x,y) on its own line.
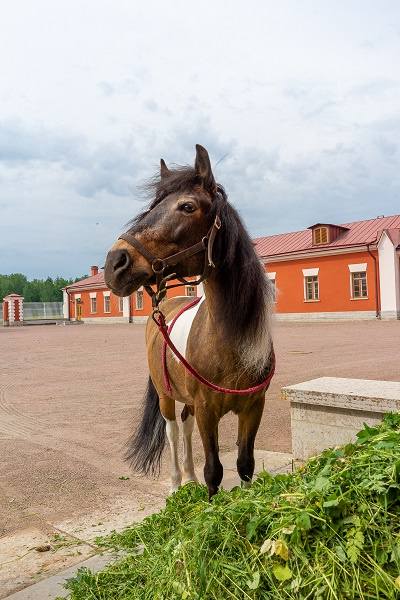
(144,448)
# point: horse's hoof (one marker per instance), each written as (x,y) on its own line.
(245,484)
(212,491)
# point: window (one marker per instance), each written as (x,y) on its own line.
(273,289)
(320,236)
(93,305)
(191,291)
(271,277)
(121,304)
(359,284)
(311,288)
(139,301)
(107,305)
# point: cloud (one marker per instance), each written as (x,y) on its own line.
(297,106)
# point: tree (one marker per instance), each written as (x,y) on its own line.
(37,290)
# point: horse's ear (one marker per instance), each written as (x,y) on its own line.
(202,166)
(164,171)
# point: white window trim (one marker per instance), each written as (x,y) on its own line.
(310,272)
(271,275)
(106,294)
(92,294)
(360,267)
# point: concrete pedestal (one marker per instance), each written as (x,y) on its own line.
(329,411)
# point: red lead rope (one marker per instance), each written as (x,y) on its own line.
(166,331)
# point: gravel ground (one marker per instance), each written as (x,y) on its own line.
(69,396)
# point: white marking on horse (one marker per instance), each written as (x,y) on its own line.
(172,431)
(188,466)
(181,329)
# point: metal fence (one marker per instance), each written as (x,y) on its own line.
(43,310)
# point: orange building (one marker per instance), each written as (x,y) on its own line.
(90,300)
(336,271)
(328,271)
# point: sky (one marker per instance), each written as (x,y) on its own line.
(297,102)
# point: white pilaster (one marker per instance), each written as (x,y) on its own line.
(389,278)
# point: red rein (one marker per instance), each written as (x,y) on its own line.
(165,330)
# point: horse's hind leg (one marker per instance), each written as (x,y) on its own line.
(249,421)
(187,429)
(167,407)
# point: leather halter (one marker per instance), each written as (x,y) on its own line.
(160,264)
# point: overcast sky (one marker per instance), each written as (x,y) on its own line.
(300,99)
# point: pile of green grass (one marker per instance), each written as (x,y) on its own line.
(331,530)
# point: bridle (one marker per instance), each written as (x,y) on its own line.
(159,265)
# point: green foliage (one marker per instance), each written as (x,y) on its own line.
(37,290)
(330,530)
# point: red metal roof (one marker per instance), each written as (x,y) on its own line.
(359,233)
(13,296)
(95,281)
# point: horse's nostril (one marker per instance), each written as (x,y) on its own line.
(122,261)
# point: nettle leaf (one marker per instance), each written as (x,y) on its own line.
(341,554)
(303,520)
(320,484)
(251,527)
(255,581)
(330,503)
(366,433)
(282,573)
(395,555)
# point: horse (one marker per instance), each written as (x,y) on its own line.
(221,341)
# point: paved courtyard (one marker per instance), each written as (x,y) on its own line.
(69,396)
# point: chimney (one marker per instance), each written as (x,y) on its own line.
(95,270)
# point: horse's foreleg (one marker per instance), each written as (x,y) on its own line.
(187,429)
(167,407)
(249,422)
(207,423)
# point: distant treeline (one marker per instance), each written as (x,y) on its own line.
(37,290)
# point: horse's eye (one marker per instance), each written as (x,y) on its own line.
(188,207)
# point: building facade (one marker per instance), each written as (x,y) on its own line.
(336,271)
(91,301)
(328,271)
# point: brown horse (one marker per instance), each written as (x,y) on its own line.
(189,229)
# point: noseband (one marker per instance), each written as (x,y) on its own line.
(160,264)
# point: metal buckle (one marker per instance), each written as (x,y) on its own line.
(155,270)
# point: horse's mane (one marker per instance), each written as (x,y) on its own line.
(244,293)
(178,180)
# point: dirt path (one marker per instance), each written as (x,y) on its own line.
(68,399)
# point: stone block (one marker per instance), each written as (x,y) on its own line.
(329,411)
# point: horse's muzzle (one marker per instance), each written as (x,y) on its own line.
(119,274)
